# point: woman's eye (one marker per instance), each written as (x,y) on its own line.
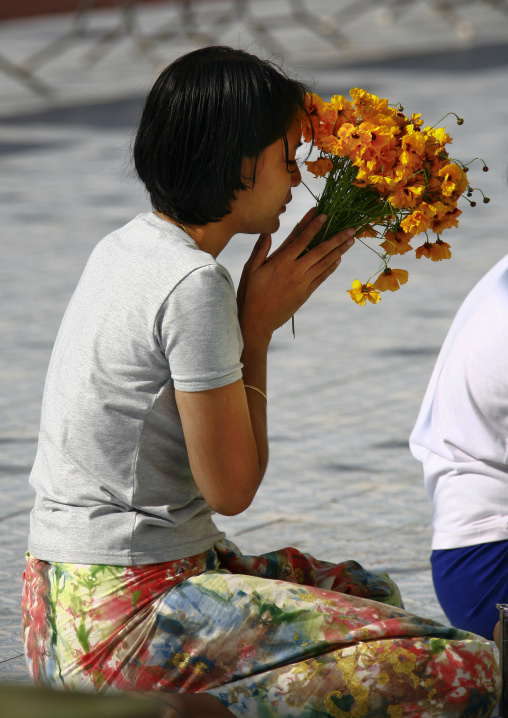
(293,165)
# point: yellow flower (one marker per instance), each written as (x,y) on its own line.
(416,119)
(381,183)
(416,222)
(437,135)
(390,279)
(414,141)
(361,292)
(320,167)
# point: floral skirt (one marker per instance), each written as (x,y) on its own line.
(280,634)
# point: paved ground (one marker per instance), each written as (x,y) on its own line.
(344,394)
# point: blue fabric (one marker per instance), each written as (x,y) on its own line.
(469,582)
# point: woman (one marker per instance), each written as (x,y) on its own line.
(154,417)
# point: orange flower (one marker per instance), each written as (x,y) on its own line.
(454,180)
(435,140)
(433,210)
(390,279)
(416,119)
(396,244)
(382,183)
(320,167)
(314,104)
(388,174)
(368,231)
(380,136)
(442,251)
(368,105)
(407,196)
(310,127)
(434,250)
(344,109)
(331,145)
(353,140)
(316,109)
(451,219)
(361,292)
(424,251)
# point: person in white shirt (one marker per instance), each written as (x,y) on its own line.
(461,438)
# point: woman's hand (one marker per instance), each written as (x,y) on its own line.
(225,428)
(273,288)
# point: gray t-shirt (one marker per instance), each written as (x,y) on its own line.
(151,313)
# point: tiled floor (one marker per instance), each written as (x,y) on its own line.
(345,393)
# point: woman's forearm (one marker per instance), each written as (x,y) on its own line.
(254,359)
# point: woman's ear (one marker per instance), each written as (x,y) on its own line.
(249,165)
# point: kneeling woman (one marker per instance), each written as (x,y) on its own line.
(154,418)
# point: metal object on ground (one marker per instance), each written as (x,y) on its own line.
(22,701)
(503,658)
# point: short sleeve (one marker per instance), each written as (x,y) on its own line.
(199,331)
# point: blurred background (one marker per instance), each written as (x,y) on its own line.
(344,394)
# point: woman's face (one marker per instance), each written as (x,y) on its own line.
(257,210)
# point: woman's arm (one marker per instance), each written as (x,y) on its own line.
(225,428)
(222,443)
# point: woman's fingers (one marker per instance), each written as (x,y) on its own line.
(301,241)
(318,256)
(259,251)
(296,231)
(272,290)
(301,226)
(256,260)
(322,269)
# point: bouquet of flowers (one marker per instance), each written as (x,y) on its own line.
(386,175)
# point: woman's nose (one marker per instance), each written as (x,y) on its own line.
(296,177)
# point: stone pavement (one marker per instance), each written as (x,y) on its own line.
(344,394)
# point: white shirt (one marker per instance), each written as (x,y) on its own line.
(461,434)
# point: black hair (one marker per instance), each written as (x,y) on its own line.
(207,111)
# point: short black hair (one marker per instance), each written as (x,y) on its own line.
(206,112)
